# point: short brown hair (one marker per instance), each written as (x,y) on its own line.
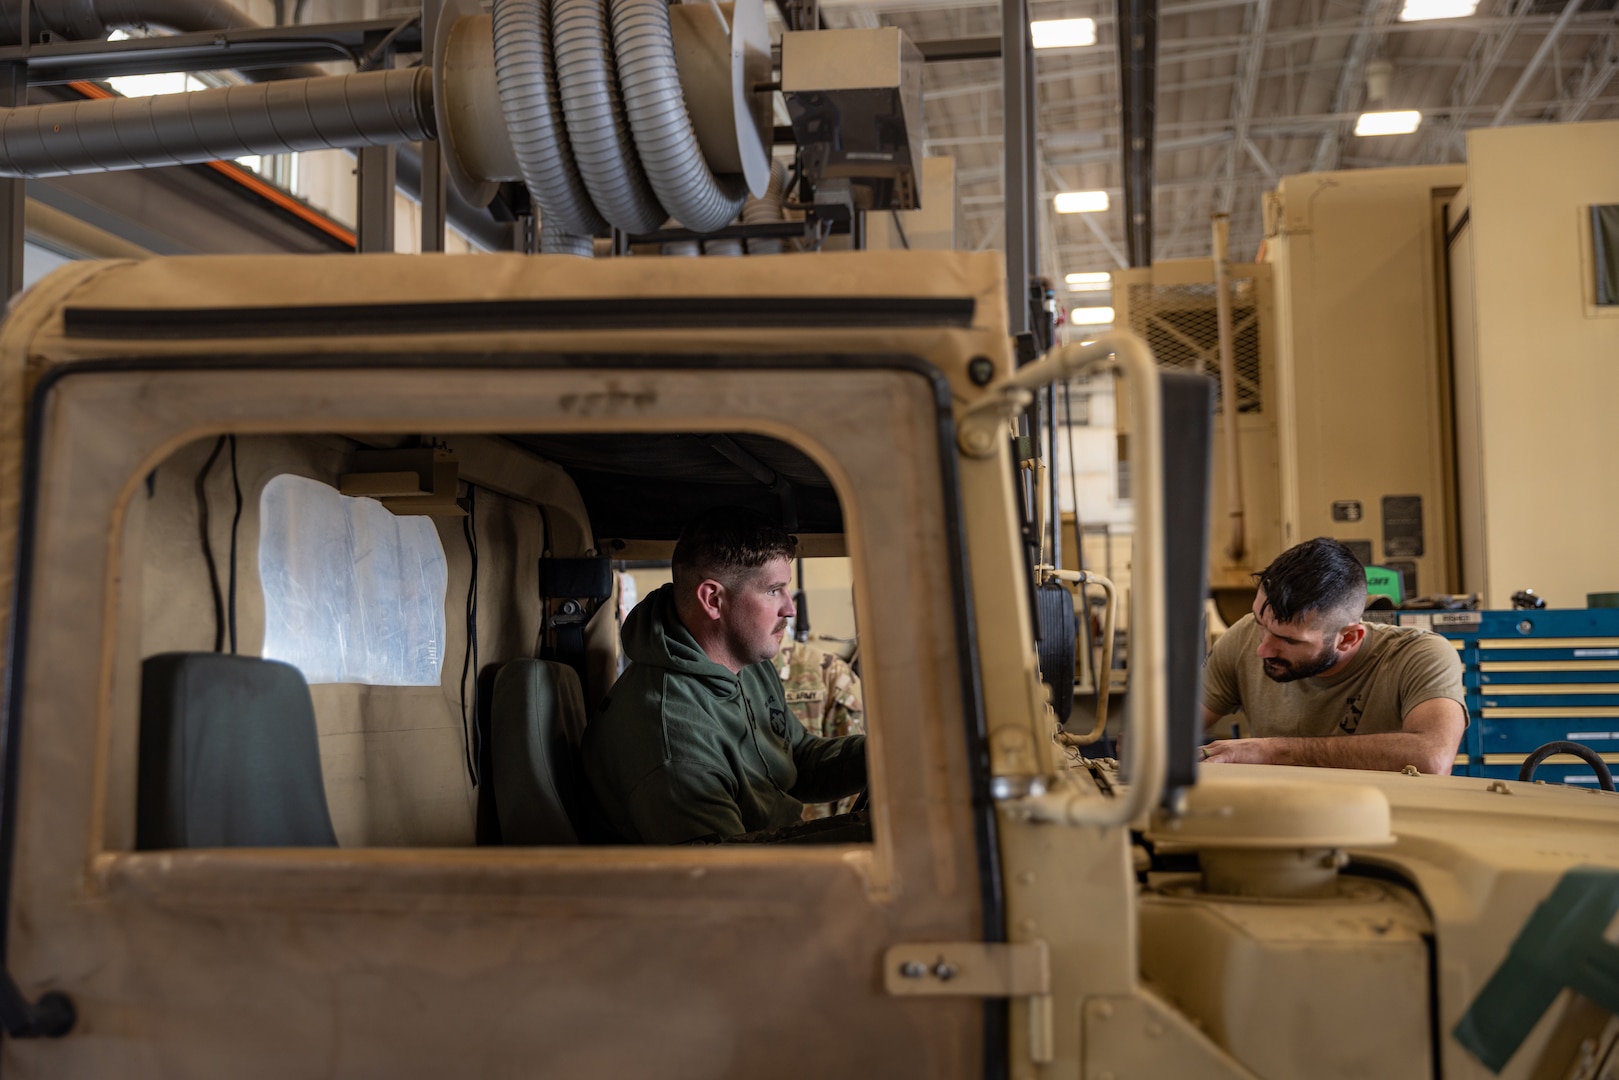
(726,544)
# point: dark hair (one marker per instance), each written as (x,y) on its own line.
(725,544)
(1319,575)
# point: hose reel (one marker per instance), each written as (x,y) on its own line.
(586,102)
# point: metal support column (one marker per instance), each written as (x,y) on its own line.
(433,178)
(13,193)
(1017,124)
(1137,26)
(377,176)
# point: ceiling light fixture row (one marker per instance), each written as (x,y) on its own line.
(1063,33)
(1421,10)
(1081,202)
(1400,122)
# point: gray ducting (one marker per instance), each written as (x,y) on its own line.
(365,109)
(656,107)
(529,98)
(596,122)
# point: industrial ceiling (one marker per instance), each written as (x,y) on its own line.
(1247,91)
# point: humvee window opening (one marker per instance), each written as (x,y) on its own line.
(367,735)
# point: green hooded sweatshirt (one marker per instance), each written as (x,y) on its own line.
(683,749)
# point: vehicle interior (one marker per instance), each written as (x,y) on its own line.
(397,641)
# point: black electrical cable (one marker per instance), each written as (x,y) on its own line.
(1079,537)
(469,729)
(899,227)
(200,487)
(235,528)
(1073,478)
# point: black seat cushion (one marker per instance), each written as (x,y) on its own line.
(229,755)
(537,719)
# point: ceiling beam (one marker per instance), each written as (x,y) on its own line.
(1535,61)
(1470,82)
(1243,105)
(1600,65)
(1374,15)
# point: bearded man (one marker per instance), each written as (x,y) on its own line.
(696,741)
(1318,686)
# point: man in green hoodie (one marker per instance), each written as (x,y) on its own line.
(696,740)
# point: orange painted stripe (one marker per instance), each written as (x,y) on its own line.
(252,182)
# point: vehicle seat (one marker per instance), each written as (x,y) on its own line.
(229,755)
(537,720)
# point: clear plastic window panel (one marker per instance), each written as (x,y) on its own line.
(352,592)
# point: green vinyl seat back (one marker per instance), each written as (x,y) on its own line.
(229,755)
(537,721)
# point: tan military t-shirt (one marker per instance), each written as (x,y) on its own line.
(1396,669)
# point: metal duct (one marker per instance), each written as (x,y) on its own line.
(597,127)
(645,48)
(365,109)
(527,79)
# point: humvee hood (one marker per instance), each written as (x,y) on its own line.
(654,636)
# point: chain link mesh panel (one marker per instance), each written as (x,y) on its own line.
(1180,324)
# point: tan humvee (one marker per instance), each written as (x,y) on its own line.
(1010,914)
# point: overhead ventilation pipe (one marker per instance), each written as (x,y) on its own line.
(581,99)
(106,134)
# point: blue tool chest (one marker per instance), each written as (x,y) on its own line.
(1534,677)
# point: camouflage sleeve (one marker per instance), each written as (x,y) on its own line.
(845,710)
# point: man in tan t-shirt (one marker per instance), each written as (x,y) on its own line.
(1303,669)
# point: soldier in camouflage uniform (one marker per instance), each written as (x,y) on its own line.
(824,693)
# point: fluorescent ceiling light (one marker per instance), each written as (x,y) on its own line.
(1388,123)
(1091,316)
(1419,10)
(1081,202)
(1097,282)
(1063,33)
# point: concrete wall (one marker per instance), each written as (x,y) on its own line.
(1547,361)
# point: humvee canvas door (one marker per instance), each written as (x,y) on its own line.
(612,961)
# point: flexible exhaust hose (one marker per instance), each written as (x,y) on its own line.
(101,135)
(596,122)
(645,48)
(555,241)
(527,79)
(767,208)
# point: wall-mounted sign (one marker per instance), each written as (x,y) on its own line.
(1402,526)
(1347,510)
